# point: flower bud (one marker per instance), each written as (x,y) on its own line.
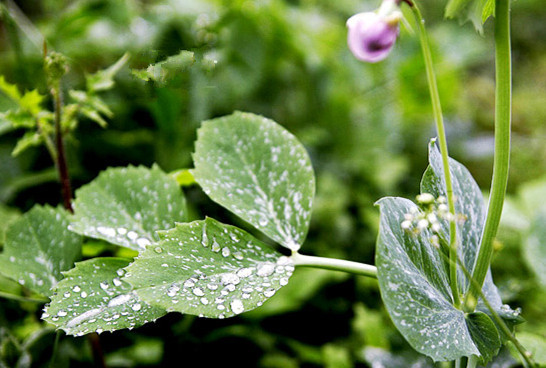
(373,34)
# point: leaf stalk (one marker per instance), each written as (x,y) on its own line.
(439,120)
(501,160)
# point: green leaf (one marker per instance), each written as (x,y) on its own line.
(126,206)
(259,171)
(208,269)
(413,273)
(475,11)
(29,139)
(29,101)
(104,79)
(164,71)
(415,288)
(535,247)
(38,247)
(92,297)
(91,106)
(7,216)
(485,335)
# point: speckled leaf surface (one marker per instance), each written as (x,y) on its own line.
(38,247)
(413,275)
(208,269)
(415,288)
(126,206)
(259,171)
(93,298)
(471,212)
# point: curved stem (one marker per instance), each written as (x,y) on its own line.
(55,349)
(334,264)
(20,298)
(472,362)
(439,120)
(501,161)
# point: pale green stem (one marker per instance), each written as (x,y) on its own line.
(20,298)
(47,140)
(501,160)
(55,349)
(472,362)
(458,363)
(438,118)
(334,264)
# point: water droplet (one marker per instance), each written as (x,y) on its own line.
(143,242)
(189,283)
(238,255)
(136,307)
(244,272)
(173,289)
(230,278)
(283,281)
(237,306)
(226,252)
(76,289)
(67,294)
(62,313)
(245,296)
(212,286)
(122,231)
(83,294)
(104,285)
(204,301)
(215,246)
(220,307)
(132,235)
(158,249)
(106,231)
(120,272)
(164,265)
(269,292)
(263,221)
(117,282)
(265,269)
(119,300)
(198,291)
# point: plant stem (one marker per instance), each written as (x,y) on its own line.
(55,349)
(501,160)
(334,264)
(438,118)
(61,157)
(20,298)
(472,362)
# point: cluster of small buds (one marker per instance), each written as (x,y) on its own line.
(435,209)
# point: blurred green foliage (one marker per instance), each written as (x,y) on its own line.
(366,128)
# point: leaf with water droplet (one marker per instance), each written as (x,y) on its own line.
(38,247)
(413,274)
(189,271)
(126,206)
(259,171)
(93,298)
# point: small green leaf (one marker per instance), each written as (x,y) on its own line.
(126,206)
(164,71)
(259,171)
(38,247)
(104,79)
(208,269)
(91,106)
(29,101)
(484,334)
(92,297)
(183,177)
(475,11)
(29,139)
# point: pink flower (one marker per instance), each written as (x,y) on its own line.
(373,34)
